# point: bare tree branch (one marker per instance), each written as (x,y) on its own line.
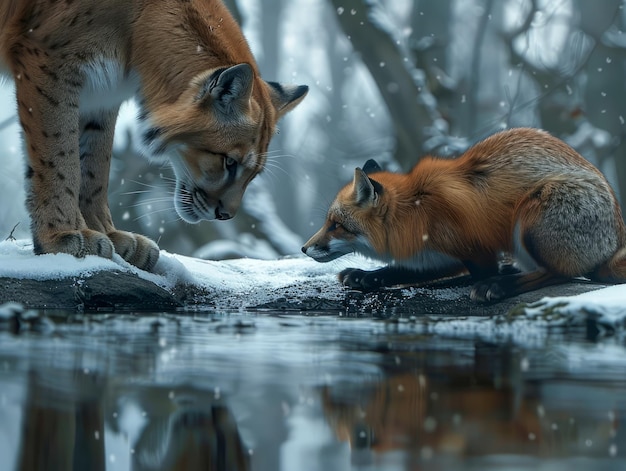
(524,27)
(614,40)
(474,76)
(408,102)
(550,80)
(11,237)
(7,122)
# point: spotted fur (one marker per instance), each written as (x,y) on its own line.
(205,110)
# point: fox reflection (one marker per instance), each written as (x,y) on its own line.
(468,417)
(407,411)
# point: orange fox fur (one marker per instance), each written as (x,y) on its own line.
(519,191)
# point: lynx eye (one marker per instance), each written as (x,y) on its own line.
(229,163)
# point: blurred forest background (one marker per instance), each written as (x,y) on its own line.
(391,80)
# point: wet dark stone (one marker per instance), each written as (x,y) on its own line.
(450,297)
(107,290)
(122,291)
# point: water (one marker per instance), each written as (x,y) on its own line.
(270,391)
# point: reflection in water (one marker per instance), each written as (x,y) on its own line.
(198,433)
(61,430)
(485,408)
(185,430)
(180,393)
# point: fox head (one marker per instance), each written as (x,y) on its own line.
(216,135)
(355,220)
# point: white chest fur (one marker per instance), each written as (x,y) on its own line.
(106,85)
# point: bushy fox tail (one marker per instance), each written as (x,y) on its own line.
(612,271)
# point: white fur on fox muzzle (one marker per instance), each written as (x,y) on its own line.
(319,255)
(332,251)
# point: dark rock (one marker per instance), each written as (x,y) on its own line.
(123,291)
(450,297)
(106,290)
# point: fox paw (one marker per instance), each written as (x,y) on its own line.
(78,243)
(135,249)
(361,280)
(508,269)
(487,291)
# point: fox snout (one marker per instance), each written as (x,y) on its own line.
(311,248)
(316,248)
(320,254)
(324,247)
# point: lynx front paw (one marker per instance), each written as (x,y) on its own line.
(78,243)
(135,249)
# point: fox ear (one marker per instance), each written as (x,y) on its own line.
(371,166)
(366,190)
(286,97)
(227,90)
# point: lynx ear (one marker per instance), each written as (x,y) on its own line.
(371,166)
(286,97)
(228,90)
(366,190)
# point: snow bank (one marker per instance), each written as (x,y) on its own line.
(18,261)
(603,309)
(250,281)
(606,306)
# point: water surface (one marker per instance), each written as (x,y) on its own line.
(277,391)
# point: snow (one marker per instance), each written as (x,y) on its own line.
(534,323)
(251,282)
(248,281)
(12,175)
(606,306)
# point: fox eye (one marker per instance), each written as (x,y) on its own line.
(334,226)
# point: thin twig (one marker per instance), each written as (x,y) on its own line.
(11,237)
(7,122)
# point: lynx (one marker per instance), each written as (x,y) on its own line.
(204,110)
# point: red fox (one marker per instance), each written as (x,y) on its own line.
(520,191)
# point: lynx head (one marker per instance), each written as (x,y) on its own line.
(216,136)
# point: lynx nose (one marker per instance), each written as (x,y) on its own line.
(221,214)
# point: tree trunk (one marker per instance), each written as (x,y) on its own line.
(394,76)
